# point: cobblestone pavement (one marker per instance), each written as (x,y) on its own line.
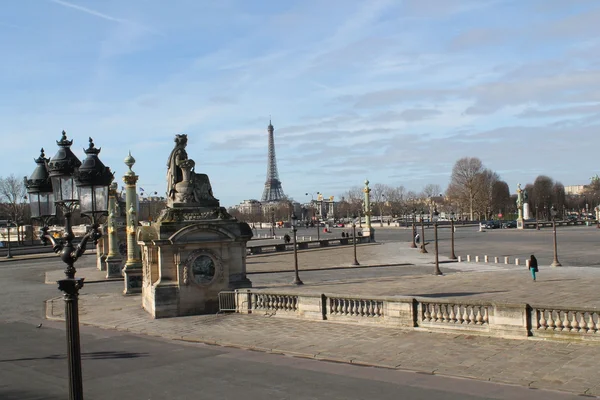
(540,364)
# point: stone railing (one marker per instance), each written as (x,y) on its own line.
(550,322)
(507,320)
(276,247)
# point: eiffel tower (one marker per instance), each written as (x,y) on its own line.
(273,190)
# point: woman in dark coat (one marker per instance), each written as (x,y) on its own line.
(533,266)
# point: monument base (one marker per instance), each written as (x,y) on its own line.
(370,233)
(520,223)
(133,279)
(113,267)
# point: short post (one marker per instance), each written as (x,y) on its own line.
(496,260)
(506,260)
(486,258)
(468,258)
(517,261)
(459,258)
(477,259)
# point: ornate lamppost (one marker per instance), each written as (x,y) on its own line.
(297,280)
(435,232)
(555,262)
(355,262)
(8,224)
(75,185)
(413,245)
(452,255)
(423,249)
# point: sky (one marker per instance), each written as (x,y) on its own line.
(390,90)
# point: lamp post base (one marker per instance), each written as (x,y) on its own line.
(555,263)
(297,281)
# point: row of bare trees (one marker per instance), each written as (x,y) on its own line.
(13,200)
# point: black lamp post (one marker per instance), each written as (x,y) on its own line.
(435,232)
(452,255)
(423,249)
(8,224)
(413,245)
(555,262)
(75,185)
(297,280)
(354,239)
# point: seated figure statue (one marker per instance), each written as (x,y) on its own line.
(184,185)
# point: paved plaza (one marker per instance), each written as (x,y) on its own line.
(388,268)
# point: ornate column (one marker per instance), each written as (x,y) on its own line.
(113,258)
(368,230)
(133,266)
(520,224)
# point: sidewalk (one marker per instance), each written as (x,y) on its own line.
(386,269)
(560,366)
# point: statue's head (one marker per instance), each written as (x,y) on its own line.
(181,139)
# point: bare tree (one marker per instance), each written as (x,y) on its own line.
(432,190)
(464,184)
(542,190)
(501,197)
(12,196)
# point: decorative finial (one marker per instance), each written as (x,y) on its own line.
(42,155)
(129,161)
(92,148)
(63,142)
(366,182)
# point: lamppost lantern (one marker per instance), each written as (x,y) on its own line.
(436,215)
(93,181)
(452,215)
(62,169)
(39,189)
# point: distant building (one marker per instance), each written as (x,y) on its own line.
(251,206)
(574,189)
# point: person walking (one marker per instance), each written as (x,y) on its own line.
(533,266)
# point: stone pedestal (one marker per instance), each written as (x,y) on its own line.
(100,254)
(188,257)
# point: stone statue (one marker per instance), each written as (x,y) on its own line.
(184,185)
(519,196)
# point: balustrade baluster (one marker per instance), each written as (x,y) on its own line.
(575,323)
(567,322)
(471,315)
(551,324)
(346,306)
(426,312)
(592,325)
(486,316)
(558,321)
(542,320)
(465,316)
(479,318)
(452,314)
(584,324)
(444,312)
(438,315)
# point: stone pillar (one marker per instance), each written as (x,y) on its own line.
(520,221)
(133,266)
(100,254)
(368,229)
(113,258)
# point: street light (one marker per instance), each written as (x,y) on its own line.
(354,239)
(413,245)
(297,280)
(555,262)
(423,249)
(435,232)
(75,185)
(8,224)
(452,255)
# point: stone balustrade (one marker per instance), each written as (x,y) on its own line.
(499,319)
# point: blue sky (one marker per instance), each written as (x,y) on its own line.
(393,91)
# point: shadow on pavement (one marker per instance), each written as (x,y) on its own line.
(453,294)
(96,355)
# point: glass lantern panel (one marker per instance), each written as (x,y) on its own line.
(34,204)
(86,199)
(47,207)
(64,188)
(101,198)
